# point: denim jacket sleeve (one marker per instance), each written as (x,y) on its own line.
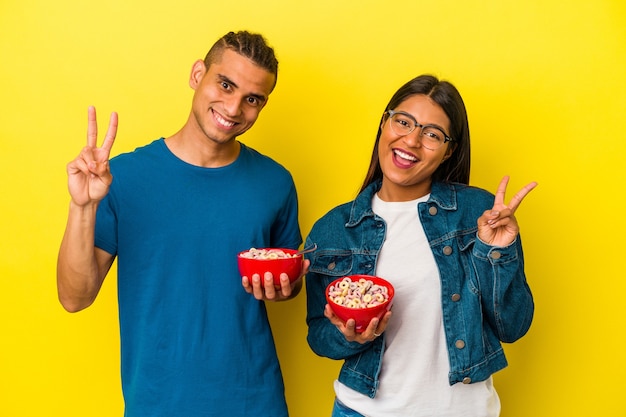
(485,297)
(506,298)
(495,275)
(323,337)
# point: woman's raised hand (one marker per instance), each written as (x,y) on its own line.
(498,226)
(89,175)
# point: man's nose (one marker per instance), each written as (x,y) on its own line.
(232,106)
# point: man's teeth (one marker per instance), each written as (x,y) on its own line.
(223,121)
(405,155)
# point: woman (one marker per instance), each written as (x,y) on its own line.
(451,251)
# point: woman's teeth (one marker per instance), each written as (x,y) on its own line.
(404,155)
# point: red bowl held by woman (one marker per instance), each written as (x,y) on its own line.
(274,260)
(360,297)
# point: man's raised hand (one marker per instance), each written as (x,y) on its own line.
(89,175)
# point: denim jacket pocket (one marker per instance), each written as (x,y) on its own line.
(465,243)
(332,263)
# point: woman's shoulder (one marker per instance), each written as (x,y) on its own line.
(336,217)
(462,192)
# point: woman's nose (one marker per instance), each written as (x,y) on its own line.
(414,139)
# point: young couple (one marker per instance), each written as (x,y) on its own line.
(195,336)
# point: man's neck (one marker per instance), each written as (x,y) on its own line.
(201,151)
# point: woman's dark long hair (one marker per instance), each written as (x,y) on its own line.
(457,167)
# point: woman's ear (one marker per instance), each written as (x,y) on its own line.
(383,120)
(198,70)
(449,151)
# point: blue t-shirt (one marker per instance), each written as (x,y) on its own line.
(194,343)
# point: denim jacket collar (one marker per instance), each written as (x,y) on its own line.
(442,194)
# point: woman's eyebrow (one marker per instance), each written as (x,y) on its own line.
(423,124)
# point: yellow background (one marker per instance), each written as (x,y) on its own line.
(544,83)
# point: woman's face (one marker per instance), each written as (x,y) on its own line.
(408,166)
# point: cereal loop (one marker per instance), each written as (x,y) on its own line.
(254,253)
(357,294)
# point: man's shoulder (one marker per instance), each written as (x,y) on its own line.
(154,147)
(151,151)
(261,160)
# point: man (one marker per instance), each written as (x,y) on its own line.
(175,213)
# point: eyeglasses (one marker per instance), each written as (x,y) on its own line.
(431,136)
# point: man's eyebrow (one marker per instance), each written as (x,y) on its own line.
(226,79)
(222,77)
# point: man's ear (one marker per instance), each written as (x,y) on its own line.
(198,70)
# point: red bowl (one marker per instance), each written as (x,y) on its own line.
(292,266)
(361,315)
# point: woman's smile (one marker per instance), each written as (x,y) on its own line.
(404,159)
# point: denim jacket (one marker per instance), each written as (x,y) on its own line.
(484,294)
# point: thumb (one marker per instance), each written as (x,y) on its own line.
(103,171)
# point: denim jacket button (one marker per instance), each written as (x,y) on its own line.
(447,250)
(331,266)
(495,255)
(455,297)
(460,344)
(432,211)
(467,380)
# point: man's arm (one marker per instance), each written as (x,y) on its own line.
(81,267)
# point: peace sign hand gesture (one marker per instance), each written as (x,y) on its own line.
(89,175)
(498,226)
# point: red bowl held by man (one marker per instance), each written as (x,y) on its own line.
(274,260)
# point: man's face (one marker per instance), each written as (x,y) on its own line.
(229,95)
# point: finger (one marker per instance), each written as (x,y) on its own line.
(257,289)
(245,282)
(488,216)
(328,312)
(383,322)
(334,320)
(372,332)
(78,166)
(111,133)
(499,200)
(305,267)
(87,155)
(92,127)
(517,198)
(268,285)
(501,221)
(351,328)
(285,285)
(102,171)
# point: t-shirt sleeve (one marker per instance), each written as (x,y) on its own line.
(106,226)
(286,229)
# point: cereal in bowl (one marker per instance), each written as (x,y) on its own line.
(358,294)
